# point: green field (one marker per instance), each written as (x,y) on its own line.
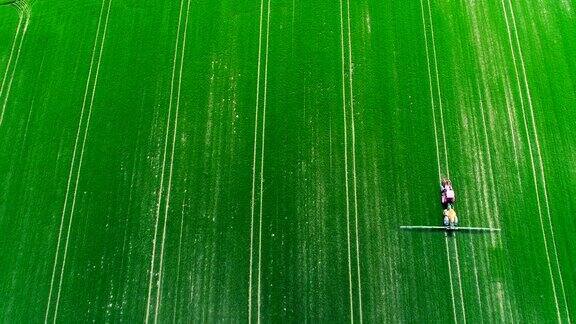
(253,161)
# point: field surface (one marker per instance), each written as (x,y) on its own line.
(253,161)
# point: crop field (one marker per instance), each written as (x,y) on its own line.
(253,160)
